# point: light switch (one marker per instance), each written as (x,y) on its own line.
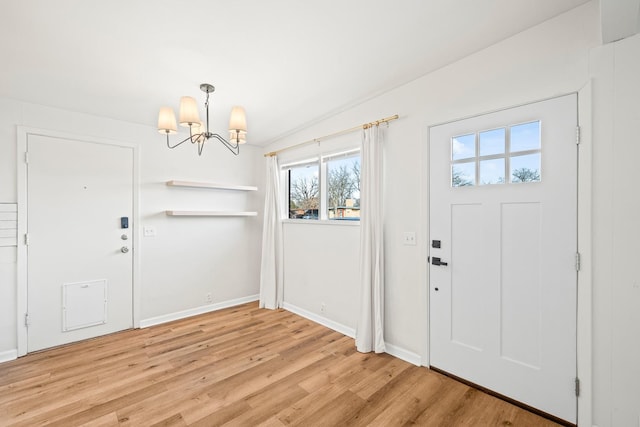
(149,231)
(409,238)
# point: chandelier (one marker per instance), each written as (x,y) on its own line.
(198,134)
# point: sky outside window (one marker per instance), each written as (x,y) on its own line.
(482,158)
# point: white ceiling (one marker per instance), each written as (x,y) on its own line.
(288,62)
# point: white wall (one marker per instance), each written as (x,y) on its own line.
(616,233)
(8,118)
(189,257)
(325,278)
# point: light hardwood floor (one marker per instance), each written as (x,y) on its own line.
(240,366)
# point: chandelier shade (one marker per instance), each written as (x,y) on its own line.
(167,121)
(188,111)
(198,131)
(238,119)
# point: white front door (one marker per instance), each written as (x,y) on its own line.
(79,278)
(503,224)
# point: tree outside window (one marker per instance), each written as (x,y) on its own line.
(304,192)
(343,188)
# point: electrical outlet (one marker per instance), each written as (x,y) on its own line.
(149,231)
(322,307)
(409,238)
(209,297)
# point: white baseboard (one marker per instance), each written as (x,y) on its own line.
(395,351)
(401,353)
(339,327)
(6,356)
(145,323)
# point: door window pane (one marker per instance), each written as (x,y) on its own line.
(525,168)
(463,147)
(525,137)
(492,142)
(492,171)
(463,174)
(509,154)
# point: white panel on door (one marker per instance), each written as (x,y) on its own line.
(520,283)
(84,304)
(466,314)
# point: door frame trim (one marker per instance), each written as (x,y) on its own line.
(23,133)
(584,331)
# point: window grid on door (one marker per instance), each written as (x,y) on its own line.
(502,155)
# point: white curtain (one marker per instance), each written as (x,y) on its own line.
(370,326)
(271,281)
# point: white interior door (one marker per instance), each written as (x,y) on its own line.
(79,278)
(503,221)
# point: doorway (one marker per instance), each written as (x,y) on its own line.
(79,233)
(503,229)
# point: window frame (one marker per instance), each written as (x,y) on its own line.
(321,161)
(507,155)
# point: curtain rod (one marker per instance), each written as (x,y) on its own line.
(342,132)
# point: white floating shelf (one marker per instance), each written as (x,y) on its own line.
(175,183)
(210,213)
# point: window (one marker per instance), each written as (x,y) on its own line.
(510,154)
(303,189)
(342,173)
(326,188)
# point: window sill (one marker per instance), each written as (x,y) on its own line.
(339,223)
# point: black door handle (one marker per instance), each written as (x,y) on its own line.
(437,261)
